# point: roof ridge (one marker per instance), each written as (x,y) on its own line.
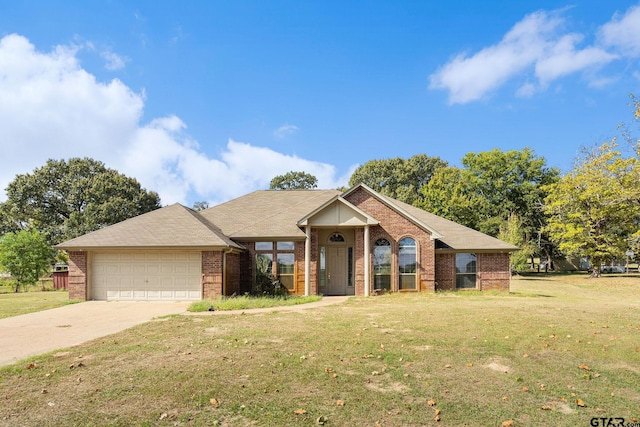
(211,226)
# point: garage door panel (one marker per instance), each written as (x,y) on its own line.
(146,275)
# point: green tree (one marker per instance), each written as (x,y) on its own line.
(594,209)
(26,255)
(510,182)
(200,206)
(294,181)
(396,177)
(450,194)
(490,187)
(512,231)
(65,199)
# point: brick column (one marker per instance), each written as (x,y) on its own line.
(78,275)
(211,274)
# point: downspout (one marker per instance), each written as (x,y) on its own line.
(307,261)
(367,251)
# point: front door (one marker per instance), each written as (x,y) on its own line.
(337,270)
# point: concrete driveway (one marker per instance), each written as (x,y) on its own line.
(45,331)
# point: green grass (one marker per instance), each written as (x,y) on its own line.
(249,302)
(532,356)
(15,304)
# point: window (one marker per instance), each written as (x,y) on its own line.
(285,246)
(323,266)
(336,238)
(264,246)
(407,264)
(466,271)
(264,264)
(286,269)
(382,265)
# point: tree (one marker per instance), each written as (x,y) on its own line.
(26,255)
(65,199)
(449,194)
(294,181)
(510,182)
(594,209)
(200,206)
(399,178)
(490,187)
(512,231)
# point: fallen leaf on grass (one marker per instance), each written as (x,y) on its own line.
(581,403)
(545,408)
(340,402)
(525,389)
(31,366)
(214,402)
(600,410)
(299,411)
(322,420)
(585,367)
(431,402)
(469,364)
(436,418)
(438,412)
(508,423)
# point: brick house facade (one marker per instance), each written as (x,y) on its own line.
(316,241)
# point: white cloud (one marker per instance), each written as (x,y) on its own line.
(52,108)
(285,130)
(537,43)
(623,32)
(113,61)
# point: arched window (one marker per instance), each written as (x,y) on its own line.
(407,261)
(382,265)
(336,238)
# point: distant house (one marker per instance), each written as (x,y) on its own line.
(359,242)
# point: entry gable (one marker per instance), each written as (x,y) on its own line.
(337,212)
(396,206)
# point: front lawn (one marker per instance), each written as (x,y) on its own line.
(15,304)
(557,351)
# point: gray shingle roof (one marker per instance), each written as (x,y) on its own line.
(262,215)
(173,226)
(267,214)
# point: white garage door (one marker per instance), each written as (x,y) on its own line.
(149,275)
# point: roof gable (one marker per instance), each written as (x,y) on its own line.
(337,212)
(170,226)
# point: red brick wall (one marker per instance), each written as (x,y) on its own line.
(446,272)
(232,273)
(246,268)
(394,227)
(298,270)
(494,272)
(211,274)
(78,275)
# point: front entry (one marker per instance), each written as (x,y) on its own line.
(337,273)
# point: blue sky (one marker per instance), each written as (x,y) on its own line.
(208,100)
